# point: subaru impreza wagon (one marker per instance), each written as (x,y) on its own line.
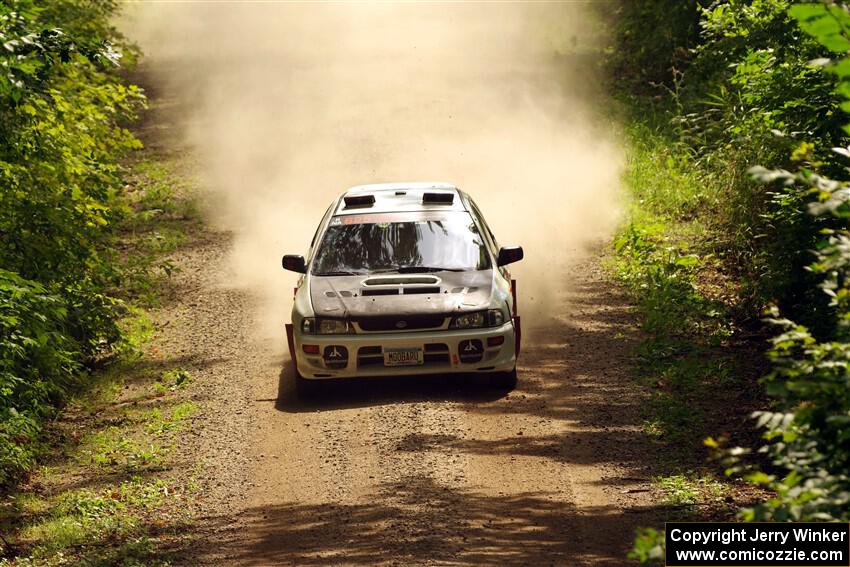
(404,278)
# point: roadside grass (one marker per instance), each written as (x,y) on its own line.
(107,491)
(692,364)
(689,490)
(88,521)
(110,494)
(160,211)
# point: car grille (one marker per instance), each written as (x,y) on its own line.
(436,354)
(398,323)
(369,292)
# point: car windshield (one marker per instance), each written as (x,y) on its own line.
(400,242)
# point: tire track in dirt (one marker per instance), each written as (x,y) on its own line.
(407,471)
(446,471)
(411,471)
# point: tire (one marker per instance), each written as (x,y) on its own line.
(306,389)
(504,380)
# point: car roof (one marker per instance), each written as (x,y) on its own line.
(400,197)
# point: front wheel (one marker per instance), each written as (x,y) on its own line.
(306,388)
(504,380)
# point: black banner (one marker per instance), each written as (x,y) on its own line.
(811,544)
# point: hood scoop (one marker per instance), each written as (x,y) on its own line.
(402,295)
(400,285)
(400,290)
(401,280)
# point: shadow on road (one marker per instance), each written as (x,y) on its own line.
(575,404)
(366,392)
(418,521)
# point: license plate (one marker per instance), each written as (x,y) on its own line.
(403,356)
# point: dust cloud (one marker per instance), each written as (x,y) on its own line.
(290,104)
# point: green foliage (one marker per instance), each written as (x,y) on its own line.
(173,380)
(654,254)
(110,449)
(687,490)
(755,85)
(661,261)
(649,547)
(753,95)
(663,183)
(37,362)
(158,424)
(62,115)
(158,203)
(651,39)
(96,527)
(740,89)
(807,435)
(828,23)
(133,506)
(664,277)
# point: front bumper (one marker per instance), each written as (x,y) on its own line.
(442,352)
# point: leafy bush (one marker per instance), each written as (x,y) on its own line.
(807,435)
(37,361)
(651,40)
(737,88)
(756,87)
(62,115)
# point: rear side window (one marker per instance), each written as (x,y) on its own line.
(318,228)
(488,234)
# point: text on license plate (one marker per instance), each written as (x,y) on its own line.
(403,356)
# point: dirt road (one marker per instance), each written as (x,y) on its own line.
(447,471)
(285,106)
(413,471)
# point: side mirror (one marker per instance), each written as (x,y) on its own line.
(509,255)
(294,263)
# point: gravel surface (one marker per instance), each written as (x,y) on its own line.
(405,471)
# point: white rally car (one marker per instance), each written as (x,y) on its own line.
(404,278)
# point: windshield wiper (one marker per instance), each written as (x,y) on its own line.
(413,270)
(423,269)
(338,273)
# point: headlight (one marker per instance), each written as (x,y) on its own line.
(468,320)
(313,326)
(491,318)
(495,318)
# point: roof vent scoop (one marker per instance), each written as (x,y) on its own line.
(438,198)
(352,201)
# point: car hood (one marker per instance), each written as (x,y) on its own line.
(401,294)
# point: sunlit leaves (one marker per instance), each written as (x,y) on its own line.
(61,140)
(648,547)
(810,379)
(828,23)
